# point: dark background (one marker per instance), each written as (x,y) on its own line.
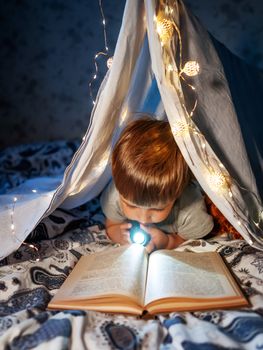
(46,58)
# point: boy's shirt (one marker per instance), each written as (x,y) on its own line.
(188,216)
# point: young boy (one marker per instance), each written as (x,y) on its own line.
(151,184)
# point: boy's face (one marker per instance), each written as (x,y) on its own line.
(145,215)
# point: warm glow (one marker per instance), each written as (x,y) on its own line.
(109,62)
(164,28)
(191,68)
(123,116)
(180,128)
(217,181)
(168,10)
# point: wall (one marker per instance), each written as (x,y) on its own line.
(46,58)
(236,23)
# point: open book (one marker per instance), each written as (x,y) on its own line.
(128,280)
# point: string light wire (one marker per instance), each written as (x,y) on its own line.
(220,179)
(104,53)
(191,68)
(94,77)
(29,245)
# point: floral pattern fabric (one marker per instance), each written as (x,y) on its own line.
(30,277)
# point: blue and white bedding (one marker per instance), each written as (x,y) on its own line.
(30,277)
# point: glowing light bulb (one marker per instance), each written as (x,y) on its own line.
(138,237)
(15,199)
(217,181)
(191,68)
(34,191)
(164,28)
(166,10)
(109,62)
(180,128)
(123,116)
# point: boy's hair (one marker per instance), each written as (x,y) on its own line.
(147,165)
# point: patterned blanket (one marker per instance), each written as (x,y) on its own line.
(30,277)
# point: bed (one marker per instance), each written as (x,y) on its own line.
(30,277)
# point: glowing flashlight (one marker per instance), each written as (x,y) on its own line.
(138,235)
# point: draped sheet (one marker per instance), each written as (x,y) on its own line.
(27,285)
(138,82)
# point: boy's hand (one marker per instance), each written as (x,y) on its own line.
(119,232)
(159,240)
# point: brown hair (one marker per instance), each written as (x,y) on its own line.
(147,165)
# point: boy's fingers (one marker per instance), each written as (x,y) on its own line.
(150,247)
(126,226)
(126,233)
(126,236)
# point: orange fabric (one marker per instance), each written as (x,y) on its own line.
(221,224)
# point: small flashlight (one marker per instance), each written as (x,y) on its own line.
(137,235)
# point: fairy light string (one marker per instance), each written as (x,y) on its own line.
(217,177)
(104,53)
(29,245)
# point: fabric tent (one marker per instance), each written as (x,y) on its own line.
(159,50)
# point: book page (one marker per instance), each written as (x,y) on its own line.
(114,271)
(187,275)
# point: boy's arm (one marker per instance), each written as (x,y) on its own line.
(174,240)
(118,232)
(193,221)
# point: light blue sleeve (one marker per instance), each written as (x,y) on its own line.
(193,221)
(110,203)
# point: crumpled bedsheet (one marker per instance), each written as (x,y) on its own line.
(29,277)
